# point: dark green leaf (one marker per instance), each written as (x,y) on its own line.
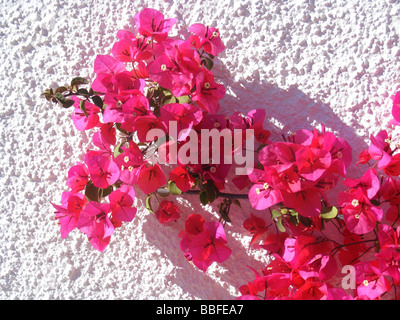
(59,97)
(83,108)
(61,89)
(68,103)
(83,92)
(307,222)
(98,101)
(209,63)
(107,191)
(92,192)
(203,198)
(78,81)
(236,202)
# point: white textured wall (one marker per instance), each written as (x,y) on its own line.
(306,62)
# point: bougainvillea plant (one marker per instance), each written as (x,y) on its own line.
(153,110)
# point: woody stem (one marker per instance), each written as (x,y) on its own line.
(197,192)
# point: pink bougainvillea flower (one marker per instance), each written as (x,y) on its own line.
(167,212)
(363,157)
(214,121)
(121,202)
(132,48)
(182,178)
(208,92)
(255,120)
(370,282)
(360,216)
(176,69)
(128,83)
(78,177)
(390,191)
(209,38)
(396,109)
(306,202)
(261,194)
(105,137)
(393,167)
(183,116)
(312,163)
(257,226)
(379,148)
(160,69)
(146,123)
(388,237)
(69,211)
(136,106)
(85,119)
(151,178)
(312,289)
(389,262)
(193,226)
(96,224)
(369,183)
(209,246)
(130,161)
(106,67)
(151,23)
(103,171)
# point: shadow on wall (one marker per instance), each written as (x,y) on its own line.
(291,110)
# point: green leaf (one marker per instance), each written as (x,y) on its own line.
(224,214)
(294,218)
(276,214)
(212,191)
(92,192)
(173,189)
(98,101)
(184,99)
(83,92)
(170,99)
(83,108)
(203,197)
(118,126)
(68,103)
(148,203)
(236,202)
(59,97)
(117,150)
(61,89)
(307,222)
(78,81)
(209,63)
(106,192)
(280,226)
(329,212)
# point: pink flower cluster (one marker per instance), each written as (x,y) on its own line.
(155,81)
(315,240)
(298,172)
(150,81)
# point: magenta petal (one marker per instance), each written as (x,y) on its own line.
(108,65)
(261,199)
